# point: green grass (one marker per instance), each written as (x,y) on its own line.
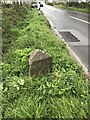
(1,99)
(63,93)
(86,10)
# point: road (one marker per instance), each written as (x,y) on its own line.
(75,24)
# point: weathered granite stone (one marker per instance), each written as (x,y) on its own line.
(39,63)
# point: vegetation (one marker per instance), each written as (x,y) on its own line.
(63,93)
(50,3)
(75,6)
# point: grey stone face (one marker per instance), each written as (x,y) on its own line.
(40,63)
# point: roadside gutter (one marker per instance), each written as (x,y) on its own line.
(86,72)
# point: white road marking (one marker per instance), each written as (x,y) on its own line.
(80,20)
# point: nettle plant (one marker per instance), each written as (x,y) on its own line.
(12,86)
(17,63)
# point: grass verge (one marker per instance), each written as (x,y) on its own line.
(86,10)
(63,93)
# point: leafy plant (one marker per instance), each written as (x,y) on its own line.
(63,93)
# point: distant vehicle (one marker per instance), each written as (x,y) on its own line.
(33,5)
(41,5)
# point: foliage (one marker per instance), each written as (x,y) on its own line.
(16,63)
(63,93)
(77,4)
(81,7)
(50,3)
(12,18)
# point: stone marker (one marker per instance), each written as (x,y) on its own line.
(39,63)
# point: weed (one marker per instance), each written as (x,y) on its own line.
(63,93)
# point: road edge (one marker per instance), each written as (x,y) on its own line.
(87,74)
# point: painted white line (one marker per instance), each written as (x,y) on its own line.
(87,73)
(80,20)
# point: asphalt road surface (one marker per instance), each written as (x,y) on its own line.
(73,27)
